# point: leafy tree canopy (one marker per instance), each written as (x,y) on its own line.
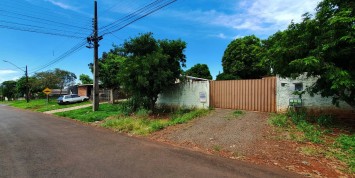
(150,66)
(56,78)
(85,79)
(8,89)
(241,59)
(200,71)
(323,47)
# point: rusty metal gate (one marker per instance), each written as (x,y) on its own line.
(252,95)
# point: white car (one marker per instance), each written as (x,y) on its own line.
(66,99)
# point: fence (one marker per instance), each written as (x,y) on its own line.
(252,95)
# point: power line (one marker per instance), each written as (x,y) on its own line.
(39,27)
(135,18)
(29,7)
(71,51)
(42,19)
(131,14)
(38,31)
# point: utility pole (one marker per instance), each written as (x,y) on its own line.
(26,74)
(27,87)
(95,40)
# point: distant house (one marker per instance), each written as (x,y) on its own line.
(85,90)
(59,92)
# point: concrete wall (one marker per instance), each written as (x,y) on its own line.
(286,86)
(187,94)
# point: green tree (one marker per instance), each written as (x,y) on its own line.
(242,59)
(200,71)
(323,47)
(110,65)
(21,86)
(85,79)
(65,78)
(151,66)
(56,78)
(224,76)
(8,89)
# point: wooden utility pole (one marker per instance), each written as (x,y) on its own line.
(96,101)
(27,87)
(95,39)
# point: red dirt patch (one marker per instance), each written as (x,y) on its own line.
(248,137)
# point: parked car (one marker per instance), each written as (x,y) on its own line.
(66,99)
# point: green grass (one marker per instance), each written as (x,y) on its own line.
(303,128)
(238,113)
(279,120)
(346,150)
(87,115)
(137,126)
(114,117)
(41,105)
(144,125)
(217,148)
(235,114)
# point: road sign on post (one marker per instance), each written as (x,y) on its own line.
(47,91)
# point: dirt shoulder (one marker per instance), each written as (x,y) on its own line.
(250,138)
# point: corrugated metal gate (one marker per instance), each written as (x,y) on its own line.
(252,95)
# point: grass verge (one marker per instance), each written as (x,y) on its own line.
(87,115)
(141,122)
(41,105)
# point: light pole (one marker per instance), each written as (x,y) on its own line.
(26,74)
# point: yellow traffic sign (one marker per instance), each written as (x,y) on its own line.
(47,91)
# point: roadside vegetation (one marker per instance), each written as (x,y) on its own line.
(120,117)
(41,105)
(329,138)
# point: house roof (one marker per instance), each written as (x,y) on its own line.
(196,78)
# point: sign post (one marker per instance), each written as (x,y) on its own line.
(203,98)
(47,91)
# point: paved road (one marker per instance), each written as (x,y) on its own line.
(39,145)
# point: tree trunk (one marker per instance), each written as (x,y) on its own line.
(152,104)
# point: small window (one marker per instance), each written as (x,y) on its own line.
(298,86)
(283,84)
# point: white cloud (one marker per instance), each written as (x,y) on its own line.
(256,15)
(62,5)
(6,74)
(276,14)
(222,36)
(6,71)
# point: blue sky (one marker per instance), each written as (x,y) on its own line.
(207,26)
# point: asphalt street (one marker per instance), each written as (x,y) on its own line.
(40,145)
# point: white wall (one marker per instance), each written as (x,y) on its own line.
(286,86)
(186,94)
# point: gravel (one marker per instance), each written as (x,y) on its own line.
(222,130)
